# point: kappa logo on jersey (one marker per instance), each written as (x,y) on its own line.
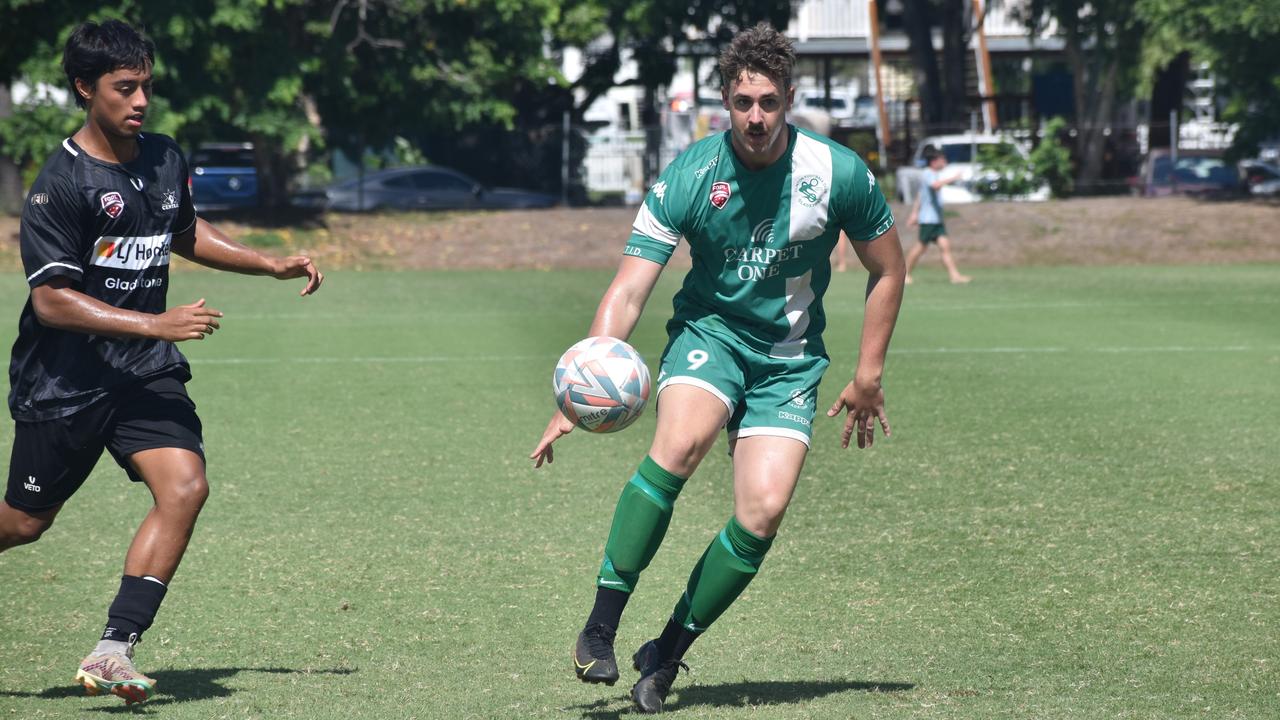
(871,179)
(660,190)
(720,194)
(112,204)
(170,200)
(39,198)
(799,398)
(811,188)
(697,174)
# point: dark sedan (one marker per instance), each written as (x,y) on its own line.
(1202,173)
(420,188)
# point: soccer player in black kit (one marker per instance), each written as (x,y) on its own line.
(95,366)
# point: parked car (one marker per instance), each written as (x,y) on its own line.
(1195,172)
(429,187)
(223,176)
(841,108)
(1262,178)
(962,153)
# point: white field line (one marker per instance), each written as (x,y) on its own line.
(441,315)
(1077,304)
(434,359)
(1086,351)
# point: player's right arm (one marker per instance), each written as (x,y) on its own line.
(654,236)
(58,304)
(52,244)
(616,316)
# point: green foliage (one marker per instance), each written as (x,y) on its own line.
(32,132)
(1239,38)
(1009,173)
(1006,171)
(1050,159)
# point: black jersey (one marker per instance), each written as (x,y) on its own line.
(108,228)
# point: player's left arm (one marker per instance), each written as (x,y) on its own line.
(864,396)
(205,244)
(872,228)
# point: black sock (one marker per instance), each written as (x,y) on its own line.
(608,608)
(134,608)
(674,641)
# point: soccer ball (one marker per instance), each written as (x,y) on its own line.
(601,384)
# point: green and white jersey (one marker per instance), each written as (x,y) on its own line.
(760,240)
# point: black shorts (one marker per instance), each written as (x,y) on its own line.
(52,458)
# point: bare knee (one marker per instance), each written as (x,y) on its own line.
(22,529)
(680,456)
(763,515)
(188,493)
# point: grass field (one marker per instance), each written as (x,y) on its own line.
(1076,517)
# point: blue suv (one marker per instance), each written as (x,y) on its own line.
(223,177)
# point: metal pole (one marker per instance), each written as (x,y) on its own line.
(984,68)
(973,136)
(1173,151)
(882,133)
(564,161)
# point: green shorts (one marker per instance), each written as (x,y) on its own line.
(764,395)
(930,232)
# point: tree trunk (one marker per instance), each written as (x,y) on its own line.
(915,16)
(1167,96)
(651,121)
(273,191)
(955,59)
(11,195)
(1093,135)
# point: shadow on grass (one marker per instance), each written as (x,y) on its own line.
(747,694)
(175,686)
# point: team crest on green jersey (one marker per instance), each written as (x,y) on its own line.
(811,188)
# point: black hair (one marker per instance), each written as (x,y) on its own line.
(93,50)
(931,153)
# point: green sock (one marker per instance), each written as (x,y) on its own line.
(725,570)
(639,524)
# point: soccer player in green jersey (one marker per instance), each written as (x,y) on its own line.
(761,207)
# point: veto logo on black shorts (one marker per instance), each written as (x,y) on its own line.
(30,484)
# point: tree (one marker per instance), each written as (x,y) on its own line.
(918,20)
(1239,39)
(1103,44)
(291,75)
(30,28)
(941,89)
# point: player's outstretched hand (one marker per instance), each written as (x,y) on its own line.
(187,322)
(296,266)
(865,403)
(558,426)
